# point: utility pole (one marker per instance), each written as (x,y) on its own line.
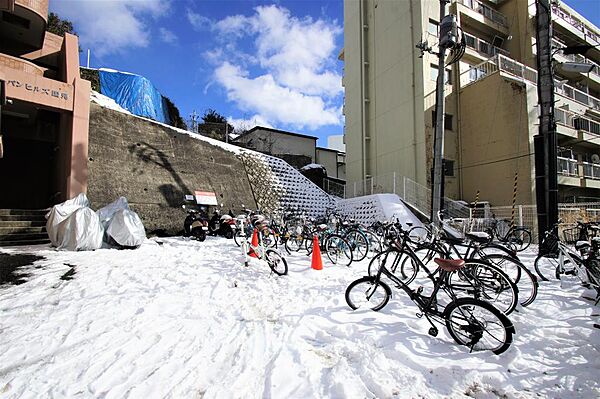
(546,179)
(448,39)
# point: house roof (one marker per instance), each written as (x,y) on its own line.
(331,150)
(255,128)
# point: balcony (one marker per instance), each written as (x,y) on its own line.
(20,65)
(483,48)
(567,167)
(523,73)
(23,25)
(576,23)
(577,122)
(591,170)
(486,11)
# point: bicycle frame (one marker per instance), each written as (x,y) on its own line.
(564,252)
(423,305)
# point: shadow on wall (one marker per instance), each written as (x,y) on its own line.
(172,193)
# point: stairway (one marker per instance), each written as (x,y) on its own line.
(23,227)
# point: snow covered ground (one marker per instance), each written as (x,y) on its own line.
(182,319)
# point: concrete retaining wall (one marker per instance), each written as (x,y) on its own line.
(154,166)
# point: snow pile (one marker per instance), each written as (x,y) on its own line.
(186,319)
(107,102)
(377,207)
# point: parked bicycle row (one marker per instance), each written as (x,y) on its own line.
(470,283)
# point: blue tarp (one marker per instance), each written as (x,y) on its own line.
(134,93)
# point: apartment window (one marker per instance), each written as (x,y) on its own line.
(447,120)
(433,27)
(434,74)
(448,168)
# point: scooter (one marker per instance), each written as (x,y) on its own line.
(223,225)
(196,223)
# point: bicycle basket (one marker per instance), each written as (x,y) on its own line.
(571,236)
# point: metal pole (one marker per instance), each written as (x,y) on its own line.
(88,58)
(438,149)
(226,132)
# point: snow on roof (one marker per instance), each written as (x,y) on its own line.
(312,166)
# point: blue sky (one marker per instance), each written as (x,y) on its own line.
(270,63)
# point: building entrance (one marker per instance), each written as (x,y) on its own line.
(31,157)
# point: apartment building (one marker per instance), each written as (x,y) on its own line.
(491,98)
(44,110)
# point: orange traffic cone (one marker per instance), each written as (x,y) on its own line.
(254,244)
(317,262)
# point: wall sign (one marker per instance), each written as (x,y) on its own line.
(35,89)
(205,198)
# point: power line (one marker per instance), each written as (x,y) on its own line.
(497,161)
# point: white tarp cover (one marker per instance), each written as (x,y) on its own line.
(80,231)
(107,212)
(126,228)
(59,213)
(122,224)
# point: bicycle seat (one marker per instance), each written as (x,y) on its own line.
(579,245)
(478,236)
(450,265)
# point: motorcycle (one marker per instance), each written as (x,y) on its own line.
(195,224)
(222,225)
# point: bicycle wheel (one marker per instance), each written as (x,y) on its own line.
(276,262)
(239,237)
(375,245)
(366,292)
(519,274)
(548,267)
(403,265)
(359,243)
(293,243)
(520,238)
(419,234)
(338,250)
(269,238)
(478,325)
(487,282)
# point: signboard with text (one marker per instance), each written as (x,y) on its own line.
(205,198)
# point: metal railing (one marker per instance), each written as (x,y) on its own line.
(334,188)
(567,166)
(483,47)
(575,22)
(486,11)
(591,170)
(576,121)
(510,66)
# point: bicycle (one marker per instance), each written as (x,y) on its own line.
(560,260)
(275,261)
(479,279)
(518,237)
(477,246)
(470,322)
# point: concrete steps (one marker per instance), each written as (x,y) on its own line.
(23,227)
